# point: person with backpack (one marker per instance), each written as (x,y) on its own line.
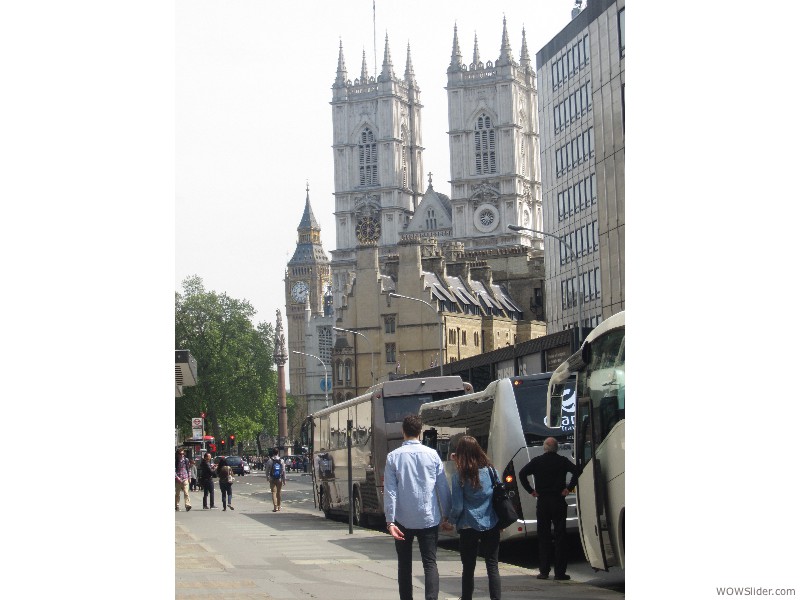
(276,471)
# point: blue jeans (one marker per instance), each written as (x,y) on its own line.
(226,489)
(427,548)
(468,543)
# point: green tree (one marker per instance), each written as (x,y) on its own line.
(236,383)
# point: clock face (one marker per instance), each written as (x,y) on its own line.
(299,291)
(368,230)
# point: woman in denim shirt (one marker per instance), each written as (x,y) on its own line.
(473,515)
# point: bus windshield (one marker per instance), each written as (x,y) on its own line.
(531,397)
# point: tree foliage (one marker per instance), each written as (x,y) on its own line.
(236,383)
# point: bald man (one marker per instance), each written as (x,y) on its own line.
(549,473)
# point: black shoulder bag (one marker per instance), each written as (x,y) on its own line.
(501,502)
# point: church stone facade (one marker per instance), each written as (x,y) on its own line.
(396,234)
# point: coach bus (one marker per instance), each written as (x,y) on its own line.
(377,418)
(599,438)
(509,420)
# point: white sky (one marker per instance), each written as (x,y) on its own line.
(253,119)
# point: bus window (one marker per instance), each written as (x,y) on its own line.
(397,408)
(606,382)
(531,397)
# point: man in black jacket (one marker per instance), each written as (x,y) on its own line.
(550,475)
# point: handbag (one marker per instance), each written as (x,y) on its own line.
(503,507)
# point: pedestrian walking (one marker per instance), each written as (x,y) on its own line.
(182,480)
(206,480)
(550,488)
(193,476)
(416,501)
(473,516)
(276,471)
(225,474)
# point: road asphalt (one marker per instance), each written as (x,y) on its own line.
(252,552)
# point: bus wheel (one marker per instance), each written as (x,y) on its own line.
(325,502)
(359,519)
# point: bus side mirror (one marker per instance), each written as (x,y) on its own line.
(586,353)
(553,408)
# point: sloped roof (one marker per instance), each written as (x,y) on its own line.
(440,203)
(462,291)
(505,299)
(308,221)
(438,288)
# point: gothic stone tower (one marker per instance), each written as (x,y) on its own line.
(494,147)
(308,276)
(377,152)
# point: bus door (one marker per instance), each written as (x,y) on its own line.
(591,494)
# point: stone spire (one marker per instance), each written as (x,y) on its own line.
(387,73)
(308,221)
(455,57)
(364,70)
(341,70)
(409,75)
(506,58)
(524,58)
(476,55)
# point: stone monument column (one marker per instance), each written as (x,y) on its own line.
(281,356)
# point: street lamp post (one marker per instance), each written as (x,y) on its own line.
(371,353)
(577,271)
(429,305)
(324,366)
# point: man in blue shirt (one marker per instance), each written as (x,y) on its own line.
(416,499)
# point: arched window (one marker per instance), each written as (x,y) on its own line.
(367,158)
(347,371)
(484,146)
(430,221)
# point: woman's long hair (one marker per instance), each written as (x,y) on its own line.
(469,458)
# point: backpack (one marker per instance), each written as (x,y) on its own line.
(277,469)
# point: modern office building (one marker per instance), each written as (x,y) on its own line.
(581,78)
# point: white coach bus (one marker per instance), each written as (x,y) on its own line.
(377,418)
(509,420)
(599,438)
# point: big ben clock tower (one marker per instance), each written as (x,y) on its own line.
(308,276)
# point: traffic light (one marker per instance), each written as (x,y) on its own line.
(222,444)
(233,438)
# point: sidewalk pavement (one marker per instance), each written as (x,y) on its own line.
(296,554)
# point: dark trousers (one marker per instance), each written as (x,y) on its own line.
(226,489)
(427,547)
(488,542)
(208,490)
(552,510)
(193,484)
